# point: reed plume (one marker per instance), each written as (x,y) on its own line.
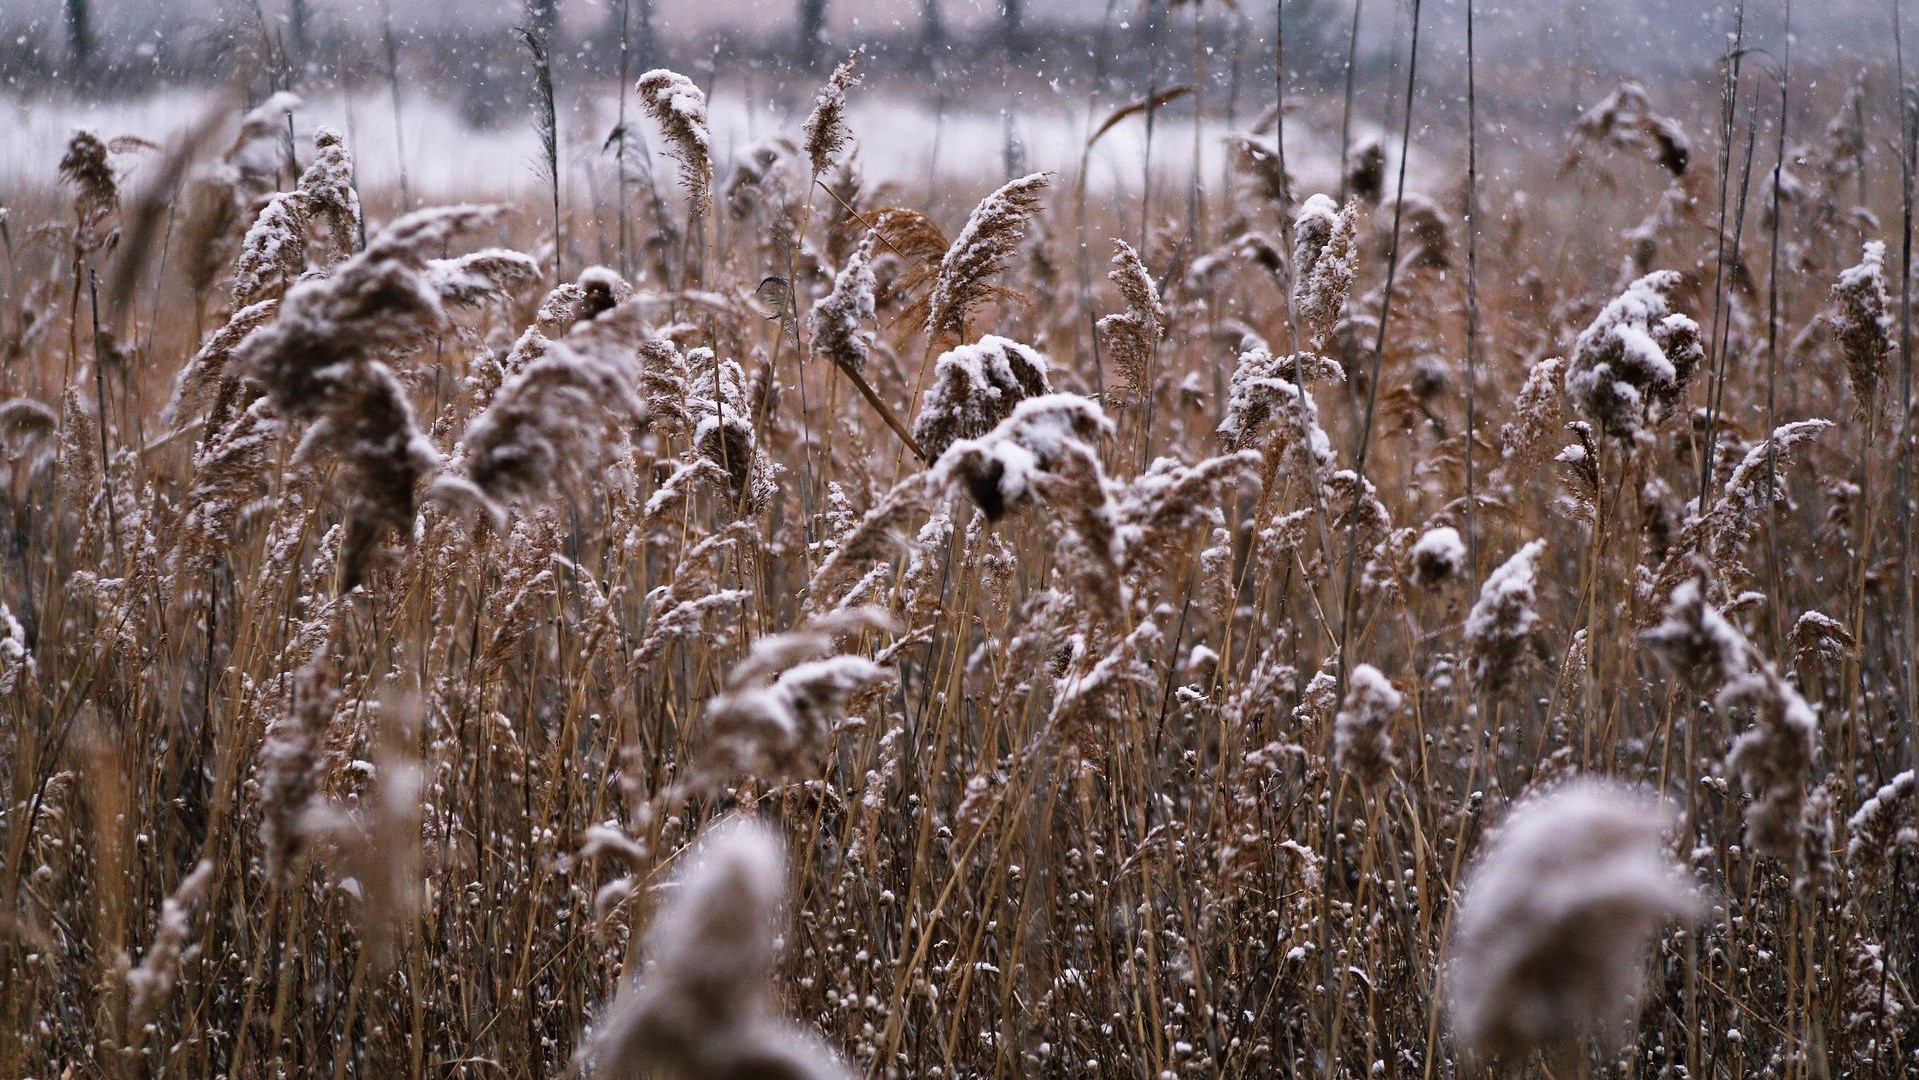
(1552,933)
(982,249)
(705,1005)
(679,108)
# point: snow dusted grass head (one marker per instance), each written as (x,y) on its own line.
(1550,939)
(705,1006)
(1499,630)
(678,106)
(1637,356)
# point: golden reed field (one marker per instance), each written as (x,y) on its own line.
(754,622)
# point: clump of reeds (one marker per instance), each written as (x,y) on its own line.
(324,361)
(1551,935)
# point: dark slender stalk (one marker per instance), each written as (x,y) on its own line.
(1772,338)
(393,88)
(1379,353)
(1728,109)
(1472,296)
(1346,113)
(1908,166)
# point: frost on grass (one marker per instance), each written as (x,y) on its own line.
(1551,936)
(705,1004)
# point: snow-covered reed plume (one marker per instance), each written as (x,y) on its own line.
(1552,932)
(679,108)
(1696,642)
(839,316)
(1636,357)
(783,699)
(1267,410)
(1437,557)
(291,761)
(826,132)
(331,198)
(1719,536)
(1499,629)
(149,983)
(96,192)
(974,388)
(557,418)
(1883,824)
(1863,322)
(1131,336)
(16,659)
(1773,759)
(705,1006)
(273,252)
(983,248)
(1362,732)
(1625,119)
(1324,240)
(1021,460)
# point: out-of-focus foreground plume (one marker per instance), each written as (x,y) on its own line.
(705,1007)
(1551,936)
